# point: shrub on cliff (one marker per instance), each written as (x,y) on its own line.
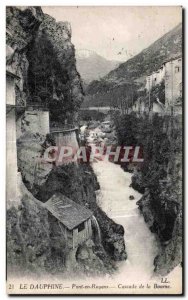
(159,178)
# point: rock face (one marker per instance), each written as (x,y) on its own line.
(21,26)
(44,59)
(159,179)
(36,245)
(40,51)
(166,221)
(79,183)
(28,236)
(29,152)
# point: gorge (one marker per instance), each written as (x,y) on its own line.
(43,59)
(136,209)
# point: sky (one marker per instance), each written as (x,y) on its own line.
(116,33)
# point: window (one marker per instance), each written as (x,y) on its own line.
(177,69)
(81,227)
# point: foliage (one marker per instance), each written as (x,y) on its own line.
(48,84)
(158,92)
(160,173)
(160,138)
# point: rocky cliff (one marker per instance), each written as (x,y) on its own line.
(79,183)
(159,179)
(44,58)
(34,242)
(40,53)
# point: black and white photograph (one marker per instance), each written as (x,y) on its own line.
(94,150)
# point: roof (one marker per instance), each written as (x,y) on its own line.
(172,59)
(69,213)
(169,60)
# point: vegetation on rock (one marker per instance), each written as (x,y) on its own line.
(159,178)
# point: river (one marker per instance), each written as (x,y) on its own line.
(113,198)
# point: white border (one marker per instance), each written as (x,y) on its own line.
(2,102)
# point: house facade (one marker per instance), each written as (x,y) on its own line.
(155,78)
(74,219)
(75,222)
(173,83)
(171,73)
(140,107)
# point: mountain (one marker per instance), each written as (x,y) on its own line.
(150,59)
(92,66)
(135,70)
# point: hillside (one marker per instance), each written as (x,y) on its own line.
(135,69)
(150,59)
(92,66)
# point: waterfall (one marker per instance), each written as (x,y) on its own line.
(83,128)
(98,230)
(141,245)
(66,138)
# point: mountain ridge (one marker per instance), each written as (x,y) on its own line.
(162,40)
(135,70)
(93,66)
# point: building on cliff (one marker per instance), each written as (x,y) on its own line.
(173,85)
(36,119)
(74,221)
(50,88)
(30,116)
(155,78)
(171,73)
(141,107)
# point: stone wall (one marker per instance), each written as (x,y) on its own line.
(36,121)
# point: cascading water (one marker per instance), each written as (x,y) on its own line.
(97,230)
(141,245)
(66,138)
